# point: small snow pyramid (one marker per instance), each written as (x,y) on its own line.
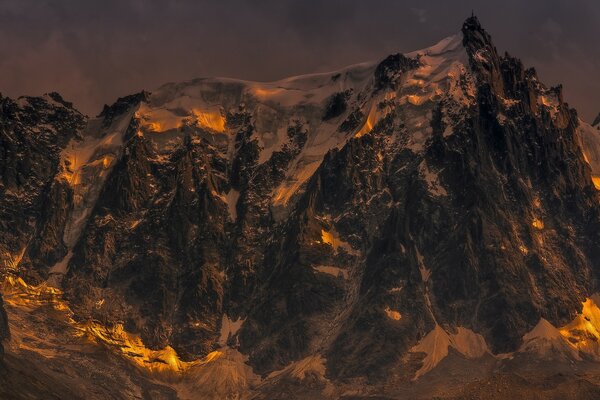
(547,342)
(436,343)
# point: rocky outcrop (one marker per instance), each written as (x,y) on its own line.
(4,328)
(596,121)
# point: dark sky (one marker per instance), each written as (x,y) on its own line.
(94,51)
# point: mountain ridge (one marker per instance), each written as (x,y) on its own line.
(353,224)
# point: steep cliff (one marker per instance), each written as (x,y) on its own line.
(366,226)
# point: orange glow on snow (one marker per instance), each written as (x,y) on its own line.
(72,174)
(596,181)
(154,127)
(210,120)
(395,315)
(416,100)
(328,238)
(286,190)
(333,239)
(369,123)
(262,92)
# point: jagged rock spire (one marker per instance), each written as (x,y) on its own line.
(483,57)
(596,121)
(475,37)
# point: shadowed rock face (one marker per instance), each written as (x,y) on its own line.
(596,120)
(32,133)
(346,216)
(4,328)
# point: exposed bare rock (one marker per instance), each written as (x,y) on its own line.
(367,230)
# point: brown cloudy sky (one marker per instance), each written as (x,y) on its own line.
(94,51)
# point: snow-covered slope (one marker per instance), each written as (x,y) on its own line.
(547,342)
(202,106)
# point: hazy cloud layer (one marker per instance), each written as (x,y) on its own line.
(95,51)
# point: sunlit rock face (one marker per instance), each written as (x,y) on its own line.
(349,232)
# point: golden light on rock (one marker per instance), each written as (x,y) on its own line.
(416,100)
(585,157)
(583,333)
(332,238)
(538,224)
(596,181)
(18,293)
(367,127)
(154,127)
(328,238)
(106,162)
(392,314)
(523,250)
(131,347)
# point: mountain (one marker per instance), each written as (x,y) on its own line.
(427,225)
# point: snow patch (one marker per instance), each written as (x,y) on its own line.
(183,111)
(232,200)
(547,341)
(436,343)
(312,365)
(392,314)
(333,271)
(58,270)
(229,328)
(425,273)
(292,182)
(596,181)
(333,239)
(85,165)
(442,67)
(375,115)
(225,377)
(543,330)
(432,180)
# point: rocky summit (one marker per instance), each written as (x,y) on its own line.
(425,226)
